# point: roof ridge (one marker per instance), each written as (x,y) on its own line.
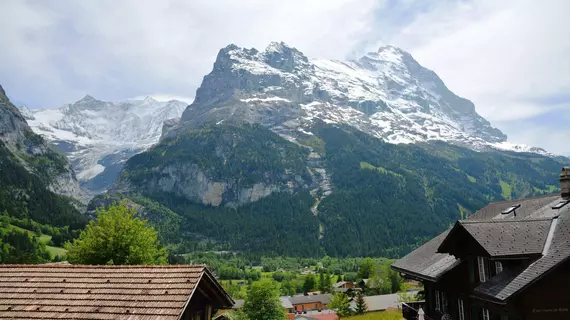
(506,220)
(87,266)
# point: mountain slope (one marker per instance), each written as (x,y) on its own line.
(381,199)
(366,157)
(36,182)
(98,136)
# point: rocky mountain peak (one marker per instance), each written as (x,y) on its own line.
(283,57)
(386,93)
(87,99)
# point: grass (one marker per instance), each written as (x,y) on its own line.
(383,315)
(56,251)
(366,165)
(43,238)
(507,189)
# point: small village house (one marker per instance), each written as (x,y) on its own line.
(508,261)
(64,291)
(302,304)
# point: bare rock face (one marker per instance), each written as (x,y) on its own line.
(220,165)
(26,145)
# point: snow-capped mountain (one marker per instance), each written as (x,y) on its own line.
(98,136)
(386,94)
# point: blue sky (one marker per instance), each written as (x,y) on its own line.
(510,57)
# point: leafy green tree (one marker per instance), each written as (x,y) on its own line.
(117,237)
(287,288)
(361,306)
(339,278)
(340,304)
(262,302)
(238,315)
(366,268)
(310,283)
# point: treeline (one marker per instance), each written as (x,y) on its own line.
(59,235)
(26,195)
(18,247)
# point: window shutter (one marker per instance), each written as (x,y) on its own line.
(481,269)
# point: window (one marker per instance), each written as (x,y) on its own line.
(437,302)
(498,267)
(443,302)
(316,305)
(481,261)
(486,314)
(460,309)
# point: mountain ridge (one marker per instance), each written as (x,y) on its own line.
(386,94)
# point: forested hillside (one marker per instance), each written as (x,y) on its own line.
(30,174)
(385,198)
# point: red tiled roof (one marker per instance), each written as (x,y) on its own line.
(96,292)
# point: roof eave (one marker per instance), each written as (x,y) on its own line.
(416,275)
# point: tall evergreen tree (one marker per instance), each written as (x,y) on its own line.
(361,306)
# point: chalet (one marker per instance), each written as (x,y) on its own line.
(508,261)
(64,291)
(344,285)
(309,303)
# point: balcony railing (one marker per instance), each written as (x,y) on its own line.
(410,310)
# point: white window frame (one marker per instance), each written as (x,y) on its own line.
(486,314)
(481,268)
(498,267)
(437,301)
(460,309)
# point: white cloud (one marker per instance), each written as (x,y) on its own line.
(503,55)
(117,49)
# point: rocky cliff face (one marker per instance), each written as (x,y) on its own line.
(34,153)
(220,165)
(386,94)
(99,136)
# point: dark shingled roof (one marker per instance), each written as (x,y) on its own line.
(502,238)
(425,263)
(537,229)
(555,252)
(528,209)
(63,291)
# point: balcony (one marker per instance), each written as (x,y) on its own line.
(410,310)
